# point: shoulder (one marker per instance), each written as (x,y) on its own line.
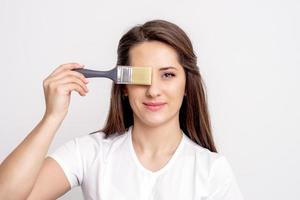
(78,155)
(201,153)
(96,141)
(97,144)
(208,163)
(88,148)
(214,170)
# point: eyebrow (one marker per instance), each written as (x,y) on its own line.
(166,68)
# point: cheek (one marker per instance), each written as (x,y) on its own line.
(132,90)
(177,88)
(135,95)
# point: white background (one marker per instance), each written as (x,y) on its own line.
(248,53)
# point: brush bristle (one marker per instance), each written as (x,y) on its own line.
(141,75)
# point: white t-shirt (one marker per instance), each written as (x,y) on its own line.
(109,169)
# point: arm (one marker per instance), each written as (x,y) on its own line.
(20,170)
(26,171)
(57,182)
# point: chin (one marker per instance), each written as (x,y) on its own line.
(154,121)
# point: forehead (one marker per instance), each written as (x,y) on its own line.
(155,54)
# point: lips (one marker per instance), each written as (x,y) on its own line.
(154,106)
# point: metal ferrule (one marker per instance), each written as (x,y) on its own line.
(124,75)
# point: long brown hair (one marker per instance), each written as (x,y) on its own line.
(193,116)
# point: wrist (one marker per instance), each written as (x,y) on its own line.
(53,118)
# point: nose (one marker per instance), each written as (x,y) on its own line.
(154,90)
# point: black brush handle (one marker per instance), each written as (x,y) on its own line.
(88,73)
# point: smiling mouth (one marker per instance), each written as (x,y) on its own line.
(154,106)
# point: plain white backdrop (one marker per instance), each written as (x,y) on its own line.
(248,54)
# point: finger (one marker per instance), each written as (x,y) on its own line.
(67,66)
(71,79)
(69,73)
(69,87)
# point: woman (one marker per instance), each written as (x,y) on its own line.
(157,141)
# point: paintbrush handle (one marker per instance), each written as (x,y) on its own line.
(88,73)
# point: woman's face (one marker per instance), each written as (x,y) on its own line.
(160,102)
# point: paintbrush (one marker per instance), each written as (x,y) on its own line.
(122,74)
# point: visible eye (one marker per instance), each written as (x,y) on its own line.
(169,75)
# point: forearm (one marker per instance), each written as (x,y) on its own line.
(20,169)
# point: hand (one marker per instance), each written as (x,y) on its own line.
(58,87)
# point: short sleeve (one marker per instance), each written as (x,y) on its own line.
(222,182)
(69,159)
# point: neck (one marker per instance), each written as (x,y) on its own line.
(156,140)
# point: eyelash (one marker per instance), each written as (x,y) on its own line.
(172,75)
